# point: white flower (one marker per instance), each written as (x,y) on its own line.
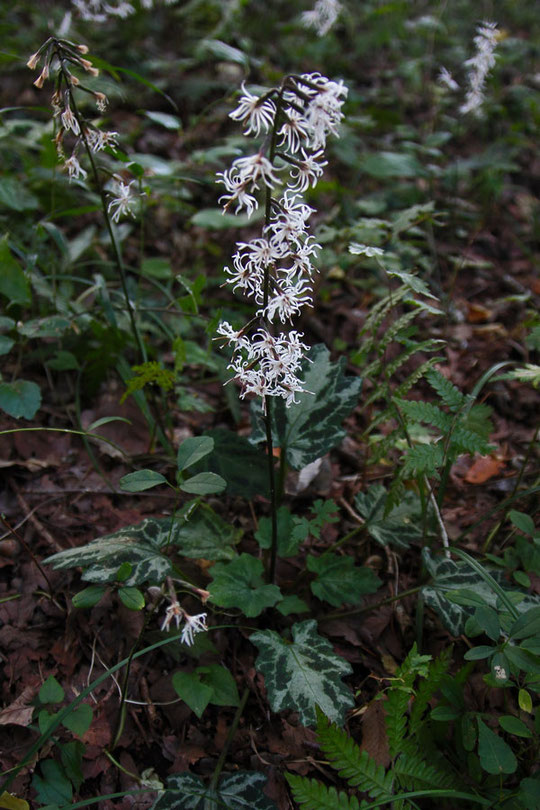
(365,250)
(288,301)
(69,121)
(479,66)
(193,625)
(445,78)
(293,131)
(98,140)
(322,17)
(255,113)
(174,611)
(74,168)
(123,201)
(307,171)
(500,673)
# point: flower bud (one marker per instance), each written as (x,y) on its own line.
(33,61)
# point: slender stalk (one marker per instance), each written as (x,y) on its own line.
(228,741)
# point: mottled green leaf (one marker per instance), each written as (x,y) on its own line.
(304,673)
(243,790)
(339,580)
(312,427)
(239,583)
(400,527)
(496,756)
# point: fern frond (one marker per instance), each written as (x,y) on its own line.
(423,459)
(381,309)
(477,419)
(313,795)
(380,392)
(413,348)
(427,688)
(467,441)
(397,703)
(395,328)
(416,375)
(425,412)
(352,764)
(414,773)
(450,395)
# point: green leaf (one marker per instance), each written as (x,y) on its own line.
(243,466)
(15,195)
(292,604)
(243,790)
(312,427)
(79,720)
(240,584)
(164,119)
(131,597)
(521,521)
(53,326)
(63,361)
(523,659)
(288,543)
(45,719)
(513,725)
(400,527)
(89,596)
(51,691)
(222,51)
(314,795)
(339,580)
(13,282)
(392,164)
(197,695)
(525,701)
(222,683)
(496,756)
(204,483)
(157,267)
(304,673)
(192,450)
(140,480)
(6,344)
(20,398)
(477,653)
(71,754)
(52,786)
(215,219)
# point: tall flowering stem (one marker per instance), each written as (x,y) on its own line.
(275,270)
(61,56)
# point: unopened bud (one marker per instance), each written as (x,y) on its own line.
(101,101)
(41,78)
(82,48)
(74,80)
(33,61)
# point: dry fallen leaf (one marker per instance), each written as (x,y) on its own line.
(484,468)
(374,739)
(19,713)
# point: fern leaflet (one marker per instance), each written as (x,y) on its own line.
(423,459)
(450,395)
(313,795)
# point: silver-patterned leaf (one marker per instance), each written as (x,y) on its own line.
(312,427)
(243,790)
(303,674)
(400,527)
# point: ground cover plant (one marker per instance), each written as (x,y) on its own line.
(269,405)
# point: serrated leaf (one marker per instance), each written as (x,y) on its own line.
(20,398)
(496,756)
(140,480)
(308,430)
(400,527)
(79,720)
(243,466)
(314,795)
(204,483)
(423,459)
(243,790)
(51,691)
(304,673)
(339,580)
(89,596)
(193,450)
(239,583)
(131,597)
(197,695)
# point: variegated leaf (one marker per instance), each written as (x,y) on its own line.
(243,790)
(401,526)
(451,576)
(312,427)
(303,674)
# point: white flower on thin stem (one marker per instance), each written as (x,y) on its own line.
(306,172)
(479,66)
(123,201)
(322,17)
(293,131)
(74,168)
(98,140)
(174,611)
(256,113)
(447,80)
(69,121)
(193,625)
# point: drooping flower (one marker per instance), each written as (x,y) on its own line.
(123,202)
(257,113)
(193,625)
(447,80)
(74,168)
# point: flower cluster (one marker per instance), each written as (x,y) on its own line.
(276,270)
(193,624)
(322,16)
(101,10)
(479,66)
(61,56)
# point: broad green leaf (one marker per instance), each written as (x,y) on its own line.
(339,580)
(292,604)
(312,427)
(513,725)
(14,195)
(157,267)
(192,450)
(52,785)
(400,527)
(525,701)
(215,219)
(13,282)
(222,51)
(243,466)
(222,683)
(71,754)
(523,659)
(197,695)
(89,597)
(392,164)
(53,326)
(288,544)
(204,483)
(131,597)
(166,120)
(527,625)
(529,792)
(79,720)
(449,576)
(20,398)
(496,756)
(63,361)
(239,583)
(45,720)
(477,653)
(522,521)
(140,480)
(304,673)
(200,533)
(6,344)
(243,790)
(51,691)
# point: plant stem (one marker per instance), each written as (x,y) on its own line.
(228,741)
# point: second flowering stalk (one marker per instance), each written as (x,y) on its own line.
(276,269)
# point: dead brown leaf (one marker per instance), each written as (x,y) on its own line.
(483,468)
(19,713)
(374,738)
